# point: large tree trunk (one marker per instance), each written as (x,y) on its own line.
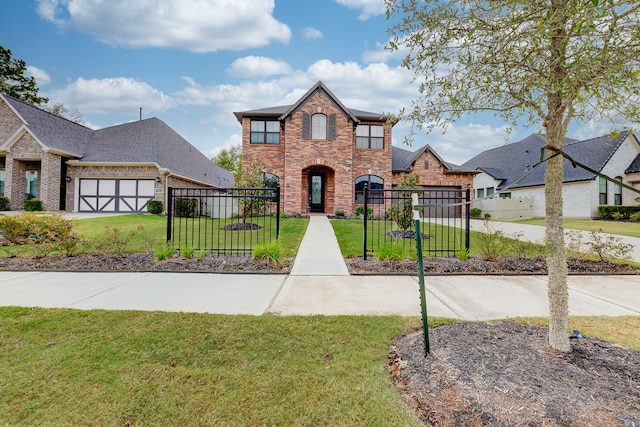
(556,257)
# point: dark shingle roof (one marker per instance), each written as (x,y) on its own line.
(402,160)
(145,141)
(634,166)
(511,162)
(282,110)
(53,131)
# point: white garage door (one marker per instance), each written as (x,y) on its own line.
(115,195)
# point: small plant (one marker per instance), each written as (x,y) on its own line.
(608,247)
(573,242)
(635,216)
(487,215)
(360,211)
(270,253)
(32,205)
(187,252)
(463,254)
(117,241)
(155,207)
(389,252)
(475,213)
(340,212)
(200,254)
(164,252)
(4,203)
(490,241)
(618,216)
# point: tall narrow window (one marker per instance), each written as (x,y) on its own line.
(490,191)
(2,182)
(617,192)
(602,185)
(318,126)
(265,132)
(31,184)
(370,136)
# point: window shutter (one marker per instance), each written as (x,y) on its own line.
(331,127)
(306,125)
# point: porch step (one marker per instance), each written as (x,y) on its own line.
(319,253)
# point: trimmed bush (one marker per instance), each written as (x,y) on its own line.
(155,207)
(32,205)
(186,207)
(616,212)
(475,213)
(4,203)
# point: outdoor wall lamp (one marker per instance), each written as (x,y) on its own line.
(158,179)
(67,178)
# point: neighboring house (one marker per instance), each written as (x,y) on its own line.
(507,171)
(322,153)
(116,169)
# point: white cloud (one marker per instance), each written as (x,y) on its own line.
(235,140)
(41,76)
(117,95)
(194,25)
(310,33)
(367,8)
(258,66)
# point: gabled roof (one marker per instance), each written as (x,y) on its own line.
(402,160)
(148,141)
(634,166)
(283,111)
(511,162)
(54,132)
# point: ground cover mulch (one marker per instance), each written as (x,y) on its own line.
(505,374)
(357,266)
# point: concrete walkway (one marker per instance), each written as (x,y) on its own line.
(318,284)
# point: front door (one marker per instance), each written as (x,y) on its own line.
(316,192)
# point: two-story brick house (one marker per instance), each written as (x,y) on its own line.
(323,153)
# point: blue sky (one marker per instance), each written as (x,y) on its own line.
(192,63)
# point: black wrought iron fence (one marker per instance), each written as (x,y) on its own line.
(389,220)
(222,221)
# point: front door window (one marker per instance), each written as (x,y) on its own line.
(316,193)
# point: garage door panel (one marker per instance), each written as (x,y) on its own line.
(115,195)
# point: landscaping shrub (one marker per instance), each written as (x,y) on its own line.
(402,214)
(635,216)
(270,253)
(4,203)
(616,212)
(116,241)
(155,207)
(390,252)
(50,233)
(164,252)
(475,213)
(186,207)
(360,211)
(32,205)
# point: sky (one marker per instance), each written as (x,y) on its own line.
(192,63)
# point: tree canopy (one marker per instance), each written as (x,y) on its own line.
(533,61)
(15,82)
(230,159)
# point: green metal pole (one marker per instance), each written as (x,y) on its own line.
(423,293)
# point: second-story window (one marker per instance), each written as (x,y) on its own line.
(265,132)
(318,126)
(370,136)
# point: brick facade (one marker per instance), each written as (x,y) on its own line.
(339,160)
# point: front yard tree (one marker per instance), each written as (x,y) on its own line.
(14,82)
(230,159)
(546,62)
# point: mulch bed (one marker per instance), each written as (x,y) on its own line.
(505,374)
(357,266)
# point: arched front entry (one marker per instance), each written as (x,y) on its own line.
(318,189)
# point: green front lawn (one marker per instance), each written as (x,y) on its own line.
(70,367)
(621,228)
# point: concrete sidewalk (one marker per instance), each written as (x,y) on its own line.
(461,297)
(319,283)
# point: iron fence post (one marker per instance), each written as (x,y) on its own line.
(467,234)
(423,293)
(364,243)
(277,195)
(169,212)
